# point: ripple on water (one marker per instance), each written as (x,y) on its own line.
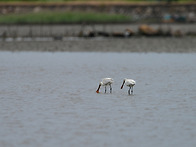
(51,101)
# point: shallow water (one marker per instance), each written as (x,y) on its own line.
(49,99)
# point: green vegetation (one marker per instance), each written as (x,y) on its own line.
(62,17)
(97,0)
(41,0)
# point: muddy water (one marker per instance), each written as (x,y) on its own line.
(49,99)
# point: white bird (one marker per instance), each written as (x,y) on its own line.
(105,82)
(130,83)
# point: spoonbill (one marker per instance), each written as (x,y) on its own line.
(130,83)
(105,82)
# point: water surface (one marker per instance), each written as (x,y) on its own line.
(49,99)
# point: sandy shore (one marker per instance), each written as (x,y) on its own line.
(141,44)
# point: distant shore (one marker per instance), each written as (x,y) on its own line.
(96,11)
(76,30)
(41,39)
(142,44)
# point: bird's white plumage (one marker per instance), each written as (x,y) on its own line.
(106,81)
(129,82)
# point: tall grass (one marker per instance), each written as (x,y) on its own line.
(62,17)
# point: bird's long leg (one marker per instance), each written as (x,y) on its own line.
(105,89)
(110,88)
(129,90)
(132,90)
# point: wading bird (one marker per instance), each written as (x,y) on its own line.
(130,83)
(105,82)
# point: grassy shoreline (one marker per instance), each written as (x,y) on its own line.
(62,17)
